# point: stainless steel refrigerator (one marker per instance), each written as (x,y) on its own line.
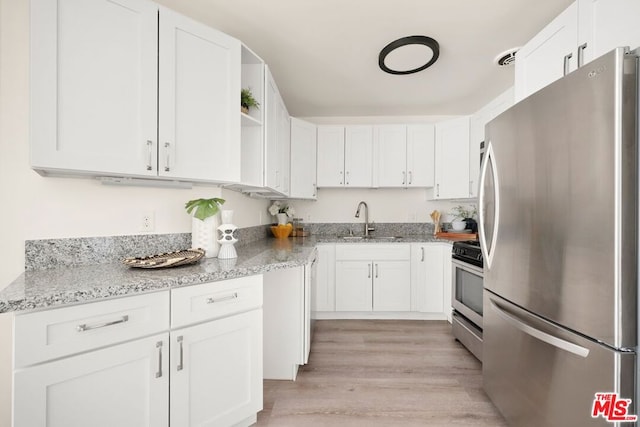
(559,231)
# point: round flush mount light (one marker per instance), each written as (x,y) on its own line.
(409,55)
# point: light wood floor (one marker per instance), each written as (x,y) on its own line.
(382,373)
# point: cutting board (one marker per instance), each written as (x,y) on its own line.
(457,236)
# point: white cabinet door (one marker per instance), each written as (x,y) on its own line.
(391,286)
(542,60)
(358,156)
(427,280)
(272,155)
(303,160)
(330,156)
(123,385)
(277,138)
(94,86)
(216,371)
(420,155)
(354,286)
(324,294)
(452,159)
(390,142)
(284,146)
(199,83)
(607,24)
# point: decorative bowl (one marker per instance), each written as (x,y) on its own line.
(281,231)
(458,225)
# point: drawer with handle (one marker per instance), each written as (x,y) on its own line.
(199,303)
(50,334)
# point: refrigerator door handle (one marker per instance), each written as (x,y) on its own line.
(488,251)
(538,334)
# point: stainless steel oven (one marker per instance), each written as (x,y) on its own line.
(467,294)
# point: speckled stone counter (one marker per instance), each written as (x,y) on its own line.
(61,282)
(54,287)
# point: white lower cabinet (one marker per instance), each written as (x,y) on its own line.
(324,288)
(192,357)
(123,385)
(373,277)
(427,277)
(216,371)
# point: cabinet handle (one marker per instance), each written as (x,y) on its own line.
(376,271)
(347,181)
(150,153)
(369,271)
(181,355)
(470,188)
(227,298)
(315,189)
(166,166)
(404,177)
(422,257)
(410,177)
(437,190)
(581,49)
(567,57)
(85,327)
(159,347)
(341,177)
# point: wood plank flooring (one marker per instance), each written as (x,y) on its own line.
(382,373)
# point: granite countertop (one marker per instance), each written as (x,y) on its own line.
(38,289)
(56,287)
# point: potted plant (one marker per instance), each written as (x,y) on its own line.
(281,211)
(204,223)
(247,100)
(464,217)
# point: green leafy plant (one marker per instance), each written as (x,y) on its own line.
(204,208)
(463,212)
(247,100)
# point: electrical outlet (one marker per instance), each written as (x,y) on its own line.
(147,221)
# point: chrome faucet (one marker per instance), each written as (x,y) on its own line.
(367,229)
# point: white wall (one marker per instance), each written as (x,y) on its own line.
(33,207)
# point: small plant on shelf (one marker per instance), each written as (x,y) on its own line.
(464,212)
(247,100)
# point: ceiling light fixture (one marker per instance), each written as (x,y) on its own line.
(407,41)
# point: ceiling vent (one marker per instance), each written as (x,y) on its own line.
(507,58)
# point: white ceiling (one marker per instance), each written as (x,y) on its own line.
(324,53)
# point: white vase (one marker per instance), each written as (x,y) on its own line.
(226,236)
(204,235)
(282,218)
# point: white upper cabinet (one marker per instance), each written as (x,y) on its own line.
(607,24)
(403,156)
(277,138)
(345,156)
(584,31)
(420,155)
(330,156)
(303,159)
(452,159)
(94,86)
(391,155)
(199,87)
(128,88)
(358,156)
(544,58)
